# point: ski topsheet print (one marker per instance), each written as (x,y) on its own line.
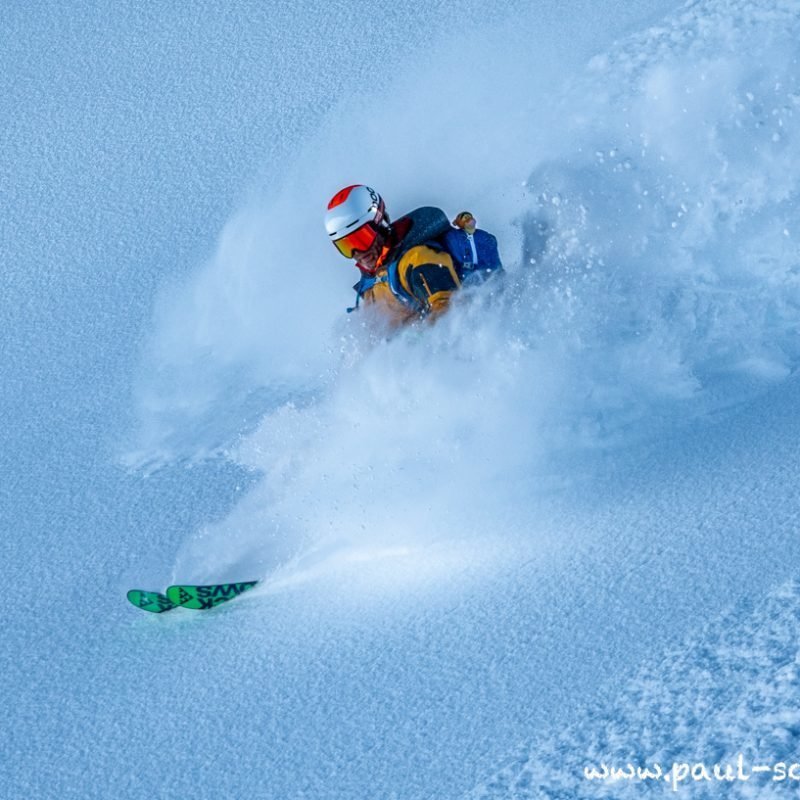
(203,598)
(198,598)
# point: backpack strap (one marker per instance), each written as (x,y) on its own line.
(366,283)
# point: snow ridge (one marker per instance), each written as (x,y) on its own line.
(733,688)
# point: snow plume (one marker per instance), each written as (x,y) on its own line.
(646,208)
(421,438)
(231,341)
(667,239)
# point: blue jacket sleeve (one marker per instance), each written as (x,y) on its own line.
(488,255)
(455,242)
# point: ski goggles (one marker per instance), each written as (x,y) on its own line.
(359,240)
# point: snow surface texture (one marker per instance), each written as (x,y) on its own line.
(473,535)
(732,689)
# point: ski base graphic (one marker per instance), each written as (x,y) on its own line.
(203,598)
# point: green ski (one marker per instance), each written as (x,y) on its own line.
(202,598)
(151,601)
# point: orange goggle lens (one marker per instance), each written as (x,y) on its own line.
(359,240)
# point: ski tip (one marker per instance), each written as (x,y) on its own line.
(154,602)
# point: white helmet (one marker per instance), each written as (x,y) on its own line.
(356,216)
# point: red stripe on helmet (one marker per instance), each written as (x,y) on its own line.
(341,196)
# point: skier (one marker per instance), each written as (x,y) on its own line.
(474,251)
(406,273)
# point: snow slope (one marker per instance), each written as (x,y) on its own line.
(493,549)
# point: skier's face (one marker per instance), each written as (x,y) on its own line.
(368,259)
